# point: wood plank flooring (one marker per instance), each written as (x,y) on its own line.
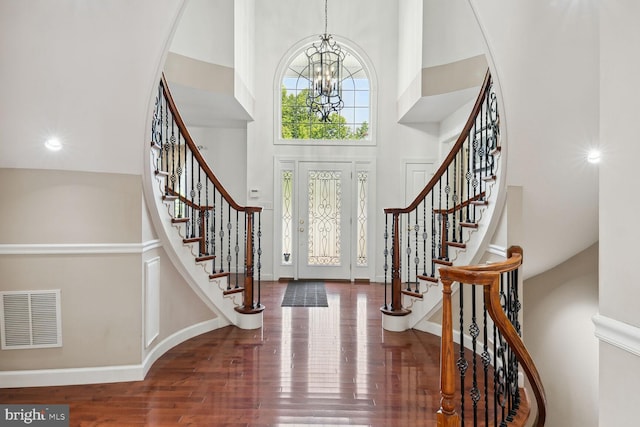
(327,366)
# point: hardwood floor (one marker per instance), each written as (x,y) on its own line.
(307,366)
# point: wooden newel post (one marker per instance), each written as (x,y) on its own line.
(248,277)
(396,283)
(447,416)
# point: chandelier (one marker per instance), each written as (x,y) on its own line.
(325,72)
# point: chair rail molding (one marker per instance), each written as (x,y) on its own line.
(617,333)
(78,248)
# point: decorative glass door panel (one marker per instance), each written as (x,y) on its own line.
(324,222)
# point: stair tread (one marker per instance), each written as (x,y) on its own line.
(456,244)
(489,178)
(480,202)
(232,291)
(413,294)
(179,220)
(162,173)
(218,275)
(191,240)
(428,278)
(443,262)
(169,198)
(469,224)
(205,258)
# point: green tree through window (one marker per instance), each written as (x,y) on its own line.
(299,123)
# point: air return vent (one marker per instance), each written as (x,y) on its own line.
(30,319)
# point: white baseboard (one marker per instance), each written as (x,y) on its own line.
(103,374)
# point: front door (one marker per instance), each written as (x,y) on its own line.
(324,220)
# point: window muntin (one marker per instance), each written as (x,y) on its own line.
(298,123)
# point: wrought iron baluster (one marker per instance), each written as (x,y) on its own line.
(433,235)
(221,234)
(454,199)
(162,136)
(408,231)
(213,227)
(462,361)
(171,147)
(495,376)
(440,220)
(207,213)
(502,367)
(399,234)
(513,310)
(237,247)
(180,172)
(474,168)
(447,192)
(486,361)
(416,257)
(229,226)
(474,330)
(424,236)
(469,174)
(462,197)
(482,147)
(200,210)
(192,194)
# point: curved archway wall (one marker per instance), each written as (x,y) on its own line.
(545,57)
(79,219)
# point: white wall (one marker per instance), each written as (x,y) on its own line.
(206,32)
(559,333)
(83,72)
(225,150)
(619,293)
(544,57)
(450,32)
(410,32)
(244,53)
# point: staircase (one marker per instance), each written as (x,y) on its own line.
(483,382)
(448,223)
(212,240)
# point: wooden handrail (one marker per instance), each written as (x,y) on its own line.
(196,153)
(452,154)
(487,276)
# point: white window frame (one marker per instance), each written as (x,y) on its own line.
(359,54)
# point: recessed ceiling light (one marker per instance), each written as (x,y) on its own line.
(594,156)
(53,144)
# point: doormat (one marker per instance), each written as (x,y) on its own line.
(305,294)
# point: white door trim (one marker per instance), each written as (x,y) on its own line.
(282,163)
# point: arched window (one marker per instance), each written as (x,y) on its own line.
(351,125)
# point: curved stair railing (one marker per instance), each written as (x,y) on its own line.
(226,236)
(490,352)
(442,217)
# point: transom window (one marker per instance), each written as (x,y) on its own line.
(298,122)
